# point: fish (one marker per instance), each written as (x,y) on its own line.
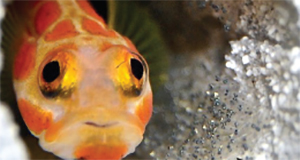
(82,88)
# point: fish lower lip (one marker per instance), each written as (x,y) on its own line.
(101,125)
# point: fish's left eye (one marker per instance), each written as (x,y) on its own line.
(131,73)
(137,68)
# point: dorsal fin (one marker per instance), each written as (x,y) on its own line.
(11,29)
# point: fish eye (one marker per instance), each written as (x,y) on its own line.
(57,75)
(137,68)
(131,73)
(50,78)
(51,71)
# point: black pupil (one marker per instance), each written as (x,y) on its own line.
(51,71)
(137,68)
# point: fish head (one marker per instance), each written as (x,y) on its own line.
(89,104)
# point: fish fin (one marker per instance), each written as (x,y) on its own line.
(11,30)
(133,21)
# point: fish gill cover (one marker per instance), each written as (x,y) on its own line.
(247,106)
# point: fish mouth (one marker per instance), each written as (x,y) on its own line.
(106,125)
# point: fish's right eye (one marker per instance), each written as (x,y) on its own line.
(58,75)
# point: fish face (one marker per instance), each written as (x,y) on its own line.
(89,104)
(82,88)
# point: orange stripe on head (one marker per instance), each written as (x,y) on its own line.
(144,110)
(84,5)
(24,61)
(94,28)
(100,152)
(46,15)
(105,46)
(64,29)
(130,45)
(35,118)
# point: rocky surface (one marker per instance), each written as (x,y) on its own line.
(247,106)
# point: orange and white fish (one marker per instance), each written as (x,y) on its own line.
(82,88)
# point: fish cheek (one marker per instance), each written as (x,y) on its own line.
(144,110)
(53,131)
(35,118)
